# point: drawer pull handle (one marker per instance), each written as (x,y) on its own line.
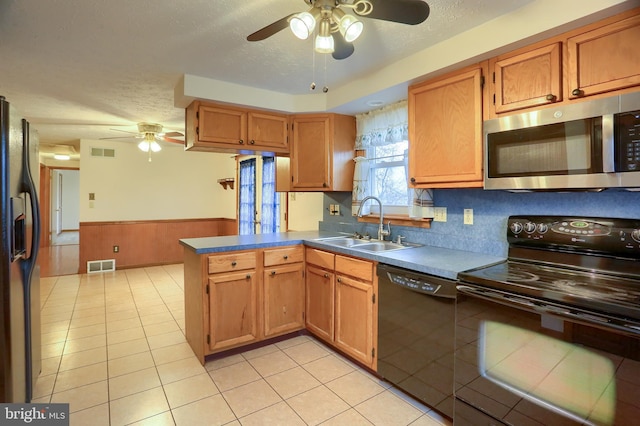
(234,263)
(273,272)
(285,257)
(252,142)
(339,280)
(241,142)
(326,275)
(248,276)
(577,92)
(551,97)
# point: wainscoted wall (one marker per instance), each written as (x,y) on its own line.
(491,210)
(145,243)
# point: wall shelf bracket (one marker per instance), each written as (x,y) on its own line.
(226,182)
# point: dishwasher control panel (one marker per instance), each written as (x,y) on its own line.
(413,283)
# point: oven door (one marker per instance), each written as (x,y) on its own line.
(521,362)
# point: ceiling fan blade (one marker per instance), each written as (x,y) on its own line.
(134,136)
(124,131)
(342,48)
(173,134)
(270,29)
(411,12)
(172,140)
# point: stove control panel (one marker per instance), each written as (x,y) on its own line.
(588,234)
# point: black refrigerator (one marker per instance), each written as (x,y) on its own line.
(20,349)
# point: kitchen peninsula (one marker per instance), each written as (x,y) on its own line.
(250,288)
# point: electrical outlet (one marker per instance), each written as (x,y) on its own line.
(440,214)
(468,216)
(116,249)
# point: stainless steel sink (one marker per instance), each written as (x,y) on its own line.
(366,245)
(344,241)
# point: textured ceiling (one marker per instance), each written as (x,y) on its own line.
(78,69)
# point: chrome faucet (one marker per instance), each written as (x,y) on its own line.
(381,231)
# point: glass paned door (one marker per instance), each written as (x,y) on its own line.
(258,202)
(247,197)
(270,211)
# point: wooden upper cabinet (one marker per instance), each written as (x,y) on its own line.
(445,131)
(604,59)
(267,130)
(527,79)
(223,125)
(322,151)
(220,128)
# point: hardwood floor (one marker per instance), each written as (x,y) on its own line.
(59,260)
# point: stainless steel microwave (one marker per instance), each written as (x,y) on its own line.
(587,145)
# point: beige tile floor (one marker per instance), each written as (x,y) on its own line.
(114,349)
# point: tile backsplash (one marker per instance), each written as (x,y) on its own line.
(491,210)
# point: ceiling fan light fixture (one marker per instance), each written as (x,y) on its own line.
(145,146)
(149,143)
(302,25)
(350,28)
(324,41)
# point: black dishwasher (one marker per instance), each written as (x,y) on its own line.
(416,335)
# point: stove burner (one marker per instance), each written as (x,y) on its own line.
(522,276)
(512,274)
(567,283)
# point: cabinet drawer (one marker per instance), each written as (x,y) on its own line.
(362,269)
(231,262)
(283,256)
(320,258)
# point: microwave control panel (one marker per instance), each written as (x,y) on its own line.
(627,136)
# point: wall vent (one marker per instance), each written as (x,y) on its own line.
(103,152)
(105,265)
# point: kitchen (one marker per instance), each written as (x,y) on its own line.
(491,210)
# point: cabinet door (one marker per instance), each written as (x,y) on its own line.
(604,59)
(221,125)
(267,130)
(354,318)
(232,309)
(529,79)
(445,132)
(319,302)
(310,153)
(283,299)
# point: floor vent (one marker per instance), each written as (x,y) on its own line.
(101,265)
(103,152)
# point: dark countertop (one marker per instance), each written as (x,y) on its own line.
(441,262)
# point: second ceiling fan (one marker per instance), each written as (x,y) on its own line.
(338,27)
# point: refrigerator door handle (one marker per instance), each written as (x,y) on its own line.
(29,187)
(28,264)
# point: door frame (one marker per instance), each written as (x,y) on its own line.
(45,201)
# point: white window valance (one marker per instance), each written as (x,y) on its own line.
(383,126)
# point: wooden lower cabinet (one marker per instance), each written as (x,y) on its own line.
(320,285)
(240,297)
(232,309)
(354,318)
(341,305)
(283,299)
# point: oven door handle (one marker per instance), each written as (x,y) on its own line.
(532,305)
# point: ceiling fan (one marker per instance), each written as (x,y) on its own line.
(337,27)
(151,134)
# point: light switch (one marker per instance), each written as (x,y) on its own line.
(468,216)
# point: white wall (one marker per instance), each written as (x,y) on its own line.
(174,185)
(305,210)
